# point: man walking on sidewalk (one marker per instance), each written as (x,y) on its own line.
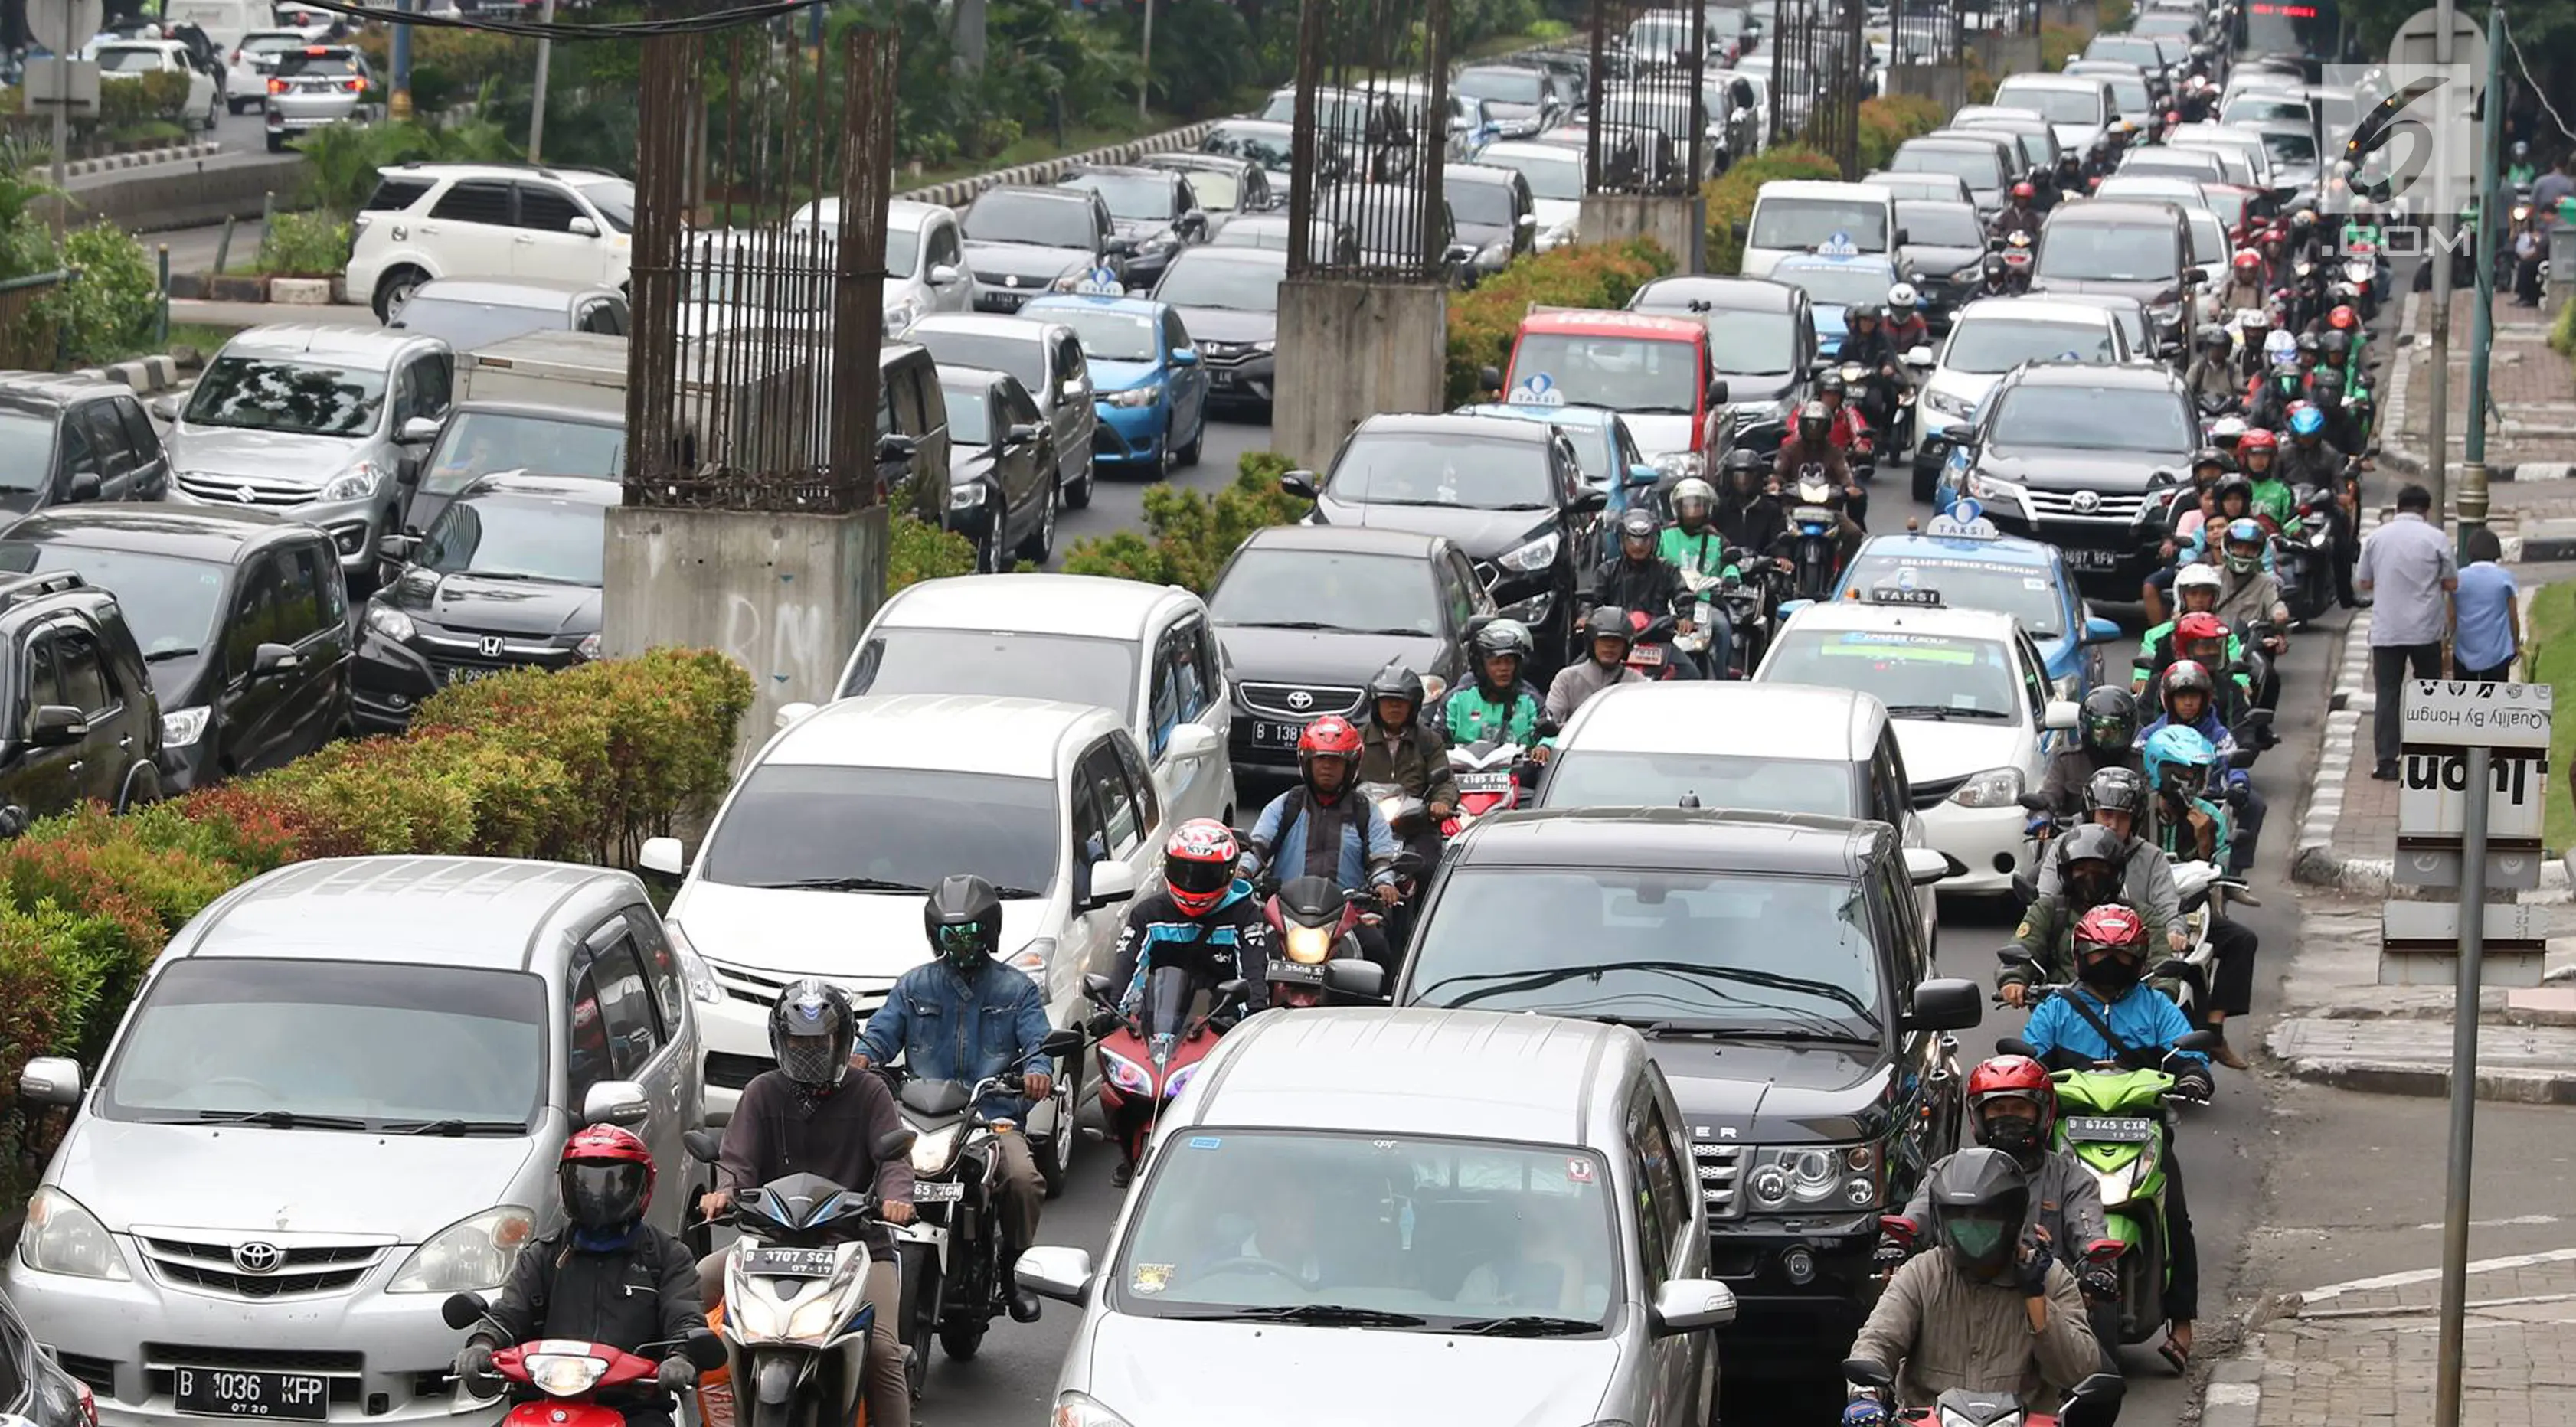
(2407,571)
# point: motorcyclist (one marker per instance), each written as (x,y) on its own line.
(2244,290)
(2312,460)
(2190,512)
(2246,590)
(1318,829)
(2211,378)
(1399,746)
(1849,431)
(2111,949)
(1497,703)
(1991,1310)
(1995,277)
(2092,865)
(2019,215)
(2269,496)
(2198,588)
(2268,404)
(1605,663)
(1637,577)
(1206,919)
(1693,543)
(1812,450)
(2520,171)
(1905,328)
(606,1276)
(1748,514)
(2108,740)
(2116,799)
(1868,343)
(926,1020)
(812,1116)
(2180,767)
(2189,702)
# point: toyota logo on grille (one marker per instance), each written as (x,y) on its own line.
(258,1256)
(491,646)
(1301,701)
(2086,502)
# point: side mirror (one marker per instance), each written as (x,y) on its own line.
(790,713)
(1903,237)
(2098,630)
(1740,229)
(582,228)
(84,486)
(50,1080)
(53,725)
(1927,865)
(1717,391)
(1947,1003)
(1060,1044)
(407,471)
(1489,378)
(2061,715)
(1190,742)
(615,1102)
(662,855)
(1355,979)
(1021,434)
(1072,389)
(1918,356)
(2199,1040)
(1868,1374)
(1063,1274)
(897,1143)
(1119,247)
(1101,988)
(1639,477)
(463,1310)
(1231,993)
(2256,718)
(946,275)
(2095,1402)
(704,1146)
(397,548)
(1111,882)
(271,659)
(1526,220)
(1300,484)
(895,446)
(418,431)
(1588,500)
(1683,1305)
(165,407)
(1185,356)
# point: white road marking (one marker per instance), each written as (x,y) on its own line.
(2429,1275)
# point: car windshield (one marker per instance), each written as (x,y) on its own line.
(1194,281)
(999,664)
(1743,341)
(1282,588)
(1135,197)
(2057,106)
(170,604)
(1800,224)
(1484,204)
(837,828)
(129,60)
(1937,676)
(2208,236)
(1990,345)
(1739,950)
(1109,335)
(355,1045)
(1386,1232)
(2132,49)
(1266,149)
(270,44)
(2022,591)
(970,413)
(1512,86)
(1216,190)
(615,200)
(2289,146)
(26,451)
(2109,252)
(2254,108)
(1046,220)
(1553,176)
(476,444)
(518,536)
(1400,468)
(1636,374)
(336,64)
(1021,356)
(466,325)
(1980,167)
(2180,163)
(2086,420)
(2128,92)
(1594,778)
(1939,225)
(1837,284)
(294,398)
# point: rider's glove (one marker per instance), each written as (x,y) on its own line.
(2100,1284)
(2031,1270)
(2193,1083)
(677,1374)
(475,1361)
(1888,1256)
(1864,1412)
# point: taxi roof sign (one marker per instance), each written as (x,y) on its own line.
(1965,520)
(1837,244)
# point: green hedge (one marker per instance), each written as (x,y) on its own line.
(579,766)
(1891,120)
(1483,321)
(1190,535)
(1730,196)
(2562,333)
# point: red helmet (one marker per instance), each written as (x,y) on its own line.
(2247,260)
(2344,317)
(606,1177)
(2258,439)
(2193,628)
(1331,736)
(2024,189)
(1198,865)
(2013,1077)
(2110,927)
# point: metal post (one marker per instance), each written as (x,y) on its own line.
(161,322)
(2473,456)
(224,247)
(814,26)
(1145,76)
(398,104)
(2437,423)
(62,125)
(537,113)
(2464,1085)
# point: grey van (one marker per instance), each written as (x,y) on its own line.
(1446,1254)
(336,1099)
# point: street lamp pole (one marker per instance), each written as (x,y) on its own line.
(537,114)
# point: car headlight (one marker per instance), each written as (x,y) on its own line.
(356,483)
(1264,348)
(694,970)
(1814,1176)
(1557,236)
(1136,396)
(564,1374)
(62,1237)
(1127,1075)
(1530,558)
(1949,403)
(390,622)
(1494,255)
(1068,282)
(470,1256)
(931,1152)
(181,728)
(1994,788)
(588,648)
(900,317)
(1992,491)
(1683,464)
(1075,1409)
(1310,946)
(1972,274)
(1031,960)
(969,496)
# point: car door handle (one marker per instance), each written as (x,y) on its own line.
(524,238)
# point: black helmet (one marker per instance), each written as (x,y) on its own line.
(1813,421)
(963,916)
(1503,636)
(2115,790)
(1995,265)
(1744,460)
(1395,681)
(1639,523)
(2310,342)
(1608,622)
(2213,456)
(1861,312)
(1830,384)
(2110,719)
(2091,859)
(1980,1199)
(2233,484)
(2336,343)
(2218,340)
(811,1030)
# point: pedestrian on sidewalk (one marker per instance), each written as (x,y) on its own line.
(2407,570)
(2486,631)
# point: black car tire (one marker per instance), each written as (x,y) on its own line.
(1055,1155)
(399,284)
(277,145)
(142,787)
(1923,482)
(1190,453)
(988,548)
(1040,546)
(1077,496)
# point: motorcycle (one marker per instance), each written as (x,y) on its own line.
(1887,405)
(796,1315)
(1654,651)
(1814,526)
(2205,891)
(2094,1402)
(1146,1058)
(1489,779)
(557,1382)
(2019,259)
(1317,922)
(2259,671)
(2303,554)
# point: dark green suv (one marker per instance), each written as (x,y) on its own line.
(81,722)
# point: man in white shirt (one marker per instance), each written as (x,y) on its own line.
(2407,570)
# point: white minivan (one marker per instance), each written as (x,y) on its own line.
(1800,215)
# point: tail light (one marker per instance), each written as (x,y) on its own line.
(277,86)
(355,86)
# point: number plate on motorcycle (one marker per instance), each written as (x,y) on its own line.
(1485,782)
(1283,970)
(938,1192)
(2109,1129)
(1812,515)
(1646,654)
(789,1263)
(233,1392)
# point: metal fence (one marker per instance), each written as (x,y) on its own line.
(1923,32)
(758,307)
(1818,70)
(1647,132)
(1375,123)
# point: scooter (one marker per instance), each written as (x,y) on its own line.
(1146,1058)
(1488,775)
(1317,922)
(1654,650)
(557,1382)
(2303,555)
(1815,527)
(2094,1402)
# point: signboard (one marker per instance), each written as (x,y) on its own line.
(1538,390)
(2459,714)
(2433,795)
(64,27)
(2510,926)
(1837,245)
(1101,282)
(1970,525)
(2512,871)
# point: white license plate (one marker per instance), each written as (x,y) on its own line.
(465,673)
(2093,559)
(1275,733)
(772,1262)
(2109,1129)
(1487,782)
(1283,970)
(938,1191)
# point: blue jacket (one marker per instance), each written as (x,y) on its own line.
(2144,1017)
(945,1028)
(2220,738)
(1368,844)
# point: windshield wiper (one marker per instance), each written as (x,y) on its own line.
(1325,1315)
(1936,712)
(1524,1325)
(1282,624)
(454,1127)
(157,655)
(1658,411)
(1016,892)
(1663,1030)
(838,884)
(1513,982)
(279,1120)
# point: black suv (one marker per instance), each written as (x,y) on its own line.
(241,615)
(2088,458)
(73,438)
(82,723)
(1774,963)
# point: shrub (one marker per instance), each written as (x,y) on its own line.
(1192,535)
(314,244)
(1730,197)
(2562,333)
(917,550)
(109,305)
(1483,320)
(156,94)
(1891,120)
(2056,42)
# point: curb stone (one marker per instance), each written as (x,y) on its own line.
(145,158)
(146,376)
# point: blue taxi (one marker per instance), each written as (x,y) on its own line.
(1146,379)
(1959,560)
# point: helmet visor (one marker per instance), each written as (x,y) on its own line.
(812,1060)
(1199,876)
(964,941)
(603,1193)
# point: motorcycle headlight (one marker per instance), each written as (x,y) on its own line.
(1182,1077)
(1074,1409)
(390,622)
(1994,788)
(1949,404)
(703,986)
(181,728)
(1031,960)
(1533,557)
(565,1374)
(62,1237)
(356,483)
(470,1256)
(1127,1075)
(1310,946)
(932,1152)
(1133,397)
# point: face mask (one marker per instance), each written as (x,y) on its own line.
(2113,976)
(1978,1239)
(2015,1135)
(2241,563)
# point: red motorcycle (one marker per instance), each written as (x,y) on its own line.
(557,1382)
(1317,923)
(1488,775)
(1147,1058)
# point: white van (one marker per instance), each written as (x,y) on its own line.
(1799,215)
(224,21)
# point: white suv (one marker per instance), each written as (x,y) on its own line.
(429,220)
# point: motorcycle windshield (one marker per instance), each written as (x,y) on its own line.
(1311,901)
(1167,1007)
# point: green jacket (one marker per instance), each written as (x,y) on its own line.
(1701,554)
(2274,499)
(2152,657)
(1470,717)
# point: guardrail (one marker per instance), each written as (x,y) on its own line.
(960,192)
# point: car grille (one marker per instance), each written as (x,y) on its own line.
(1225,354)
(458,658)
(1719,1167)
(1933,792)
(727,1071)
(303,1269)
(754,987)
(2071,505)
(98,1373)
(242,490)
(1297,700)
(346,1371)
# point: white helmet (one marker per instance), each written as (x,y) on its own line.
(2195,577)
(1903,296)
(1696,489)
(2281,346)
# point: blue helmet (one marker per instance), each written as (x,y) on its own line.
(2306,420)
(2178,760)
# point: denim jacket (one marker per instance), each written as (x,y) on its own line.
(947,1029)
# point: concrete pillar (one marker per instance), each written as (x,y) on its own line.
(785,596)
(2000,54)
(1945,84)
(1350,349)
(1677,223)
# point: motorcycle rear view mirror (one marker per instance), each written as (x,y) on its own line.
(896,1143)
(2256,718)
(2095,1402)
(704,1350)
(1230,993)
(2015,1045)
(463,1310)
(1868,1374)
(2199,1040)
(1409,865)
(1355,979)
(1060,1044)
(704,1146)
(2025,888)
(2034,802)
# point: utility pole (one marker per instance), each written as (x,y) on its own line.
(398,105)
(1145,79)
(2473,456)
(2446,232)
(537,113)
